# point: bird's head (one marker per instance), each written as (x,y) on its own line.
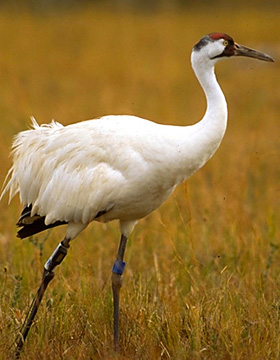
(216,46)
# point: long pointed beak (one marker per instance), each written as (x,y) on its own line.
(241,50)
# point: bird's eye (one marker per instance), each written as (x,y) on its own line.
(225,43)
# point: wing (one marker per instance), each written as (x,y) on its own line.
(118,165)
(65,173)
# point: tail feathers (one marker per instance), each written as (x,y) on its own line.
(31,225)
(37,226)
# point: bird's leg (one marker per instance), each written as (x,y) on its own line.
(55,259)
(117,272)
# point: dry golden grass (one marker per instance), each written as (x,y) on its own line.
(202,278)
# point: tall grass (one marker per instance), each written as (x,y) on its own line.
(202,278)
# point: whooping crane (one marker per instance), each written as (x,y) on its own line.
(115,167)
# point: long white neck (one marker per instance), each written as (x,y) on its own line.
(216,112)
(200,141)
(209,132)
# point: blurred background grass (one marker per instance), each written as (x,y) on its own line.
(202,277)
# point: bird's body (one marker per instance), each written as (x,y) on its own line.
(115,167)
(121,167)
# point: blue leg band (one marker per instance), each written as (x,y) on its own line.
(118,267)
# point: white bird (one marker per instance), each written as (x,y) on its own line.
(116,167)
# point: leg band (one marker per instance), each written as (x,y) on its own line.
(118,267)
(56,258)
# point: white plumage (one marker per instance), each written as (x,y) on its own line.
(121,166)
(115,167)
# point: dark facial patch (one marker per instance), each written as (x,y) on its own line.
(229,49)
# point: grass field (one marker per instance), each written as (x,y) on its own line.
(202,279)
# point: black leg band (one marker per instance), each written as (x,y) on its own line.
(56,258)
